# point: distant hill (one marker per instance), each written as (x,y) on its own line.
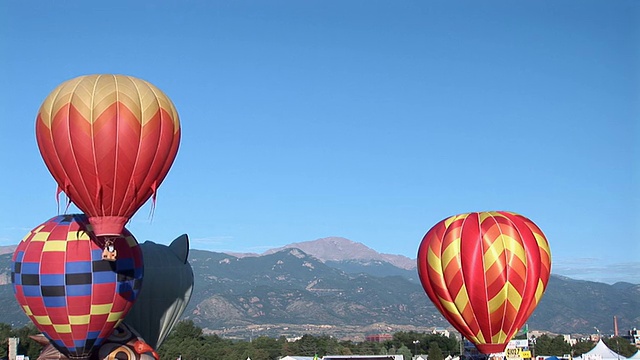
(7,249)
(337,249)
(291,292)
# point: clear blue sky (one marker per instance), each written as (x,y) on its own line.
(370,120)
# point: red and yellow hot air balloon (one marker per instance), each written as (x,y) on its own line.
(109,141)
(485,272)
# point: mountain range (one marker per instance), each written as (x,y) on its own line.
(338,287)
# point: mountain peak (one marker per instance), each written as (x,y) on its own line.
(336,248)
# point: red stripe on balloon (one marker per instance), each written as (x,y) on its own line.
(471,252)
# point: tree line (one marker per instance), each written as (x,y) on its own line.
(546,345)
(188,342)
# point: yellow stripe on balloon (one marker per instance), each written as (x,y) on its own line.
(543,244)
(502,242)
(479,338)
(451,308)
(48,107)
(493,252)
(100,309)
(539,291)
(27,310)
(487,214)
(452,219)
(514,297)
(114,316)
(91,95)
(41,236)
(515,247)
(54,245)
(62,328)
(79,319)
(462,298)
(26,237)
(507,293)
(434,262)
(81,96)
(77,235)
(43,320)
(500,338)
(451,252)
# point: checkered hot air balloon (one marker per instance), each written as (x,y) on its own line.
(73,296)
(485,272)
(109,141)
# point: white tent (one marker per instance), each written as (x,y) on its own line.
(601,352)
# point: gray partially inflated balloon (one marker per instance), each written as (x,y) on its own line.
(166,291)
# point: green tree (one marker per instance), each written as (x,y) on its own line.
(435,353)
(186,330)
(620,345)
(307,346)
(543,345)
(404,351)
(581,347)
(344,350)
(448,345)
(559,346)
(27,346)
(5,333)
(548,346)
(270,346)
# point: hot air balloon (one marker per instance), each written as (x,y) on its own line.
(485,272)
(109,141)
(123,344)
(70,294)
(168,285)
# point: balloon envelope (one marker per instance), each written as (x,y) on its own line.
(485,272)
(109,141)
(73,296)
(168,285)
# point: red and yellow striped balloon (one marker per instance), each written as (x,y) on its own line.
(485,272)
(109,141)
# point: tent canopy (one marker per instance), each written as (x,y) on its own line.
(602,352)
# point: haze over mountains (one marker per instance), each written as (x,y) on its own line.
(339,287)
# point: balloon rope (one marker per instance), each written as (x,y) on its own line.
(58,191)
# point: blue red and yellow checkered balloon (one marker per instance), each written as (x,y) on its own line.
(67,290)
(486,272)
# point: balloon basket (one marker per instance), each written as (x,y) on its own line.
(109,253)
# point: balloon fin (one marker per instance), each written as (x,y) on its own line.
(180,247)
